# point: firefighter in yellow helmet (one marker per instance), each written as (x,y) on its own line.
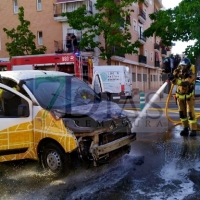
(184,77)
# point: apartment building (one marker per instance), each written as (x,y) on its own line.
(51,29)
(145,66)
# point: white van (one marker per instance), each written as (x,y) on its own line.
(49,115)
(116,81)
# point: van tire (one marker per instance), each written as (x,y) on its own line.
(53,159)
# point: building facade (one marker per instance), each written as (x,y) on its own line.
(51,29)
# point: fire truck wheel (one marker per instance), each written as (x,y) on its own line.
(53,159)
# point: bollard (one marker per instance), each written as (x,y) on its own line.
(142,100)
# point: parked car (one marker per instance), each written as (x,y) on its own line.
(50,115)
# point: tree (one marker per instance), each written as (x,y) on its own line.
(111,22)
(22,39)
(181,23)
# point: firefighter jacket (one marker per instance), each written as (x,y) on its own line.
(185,81)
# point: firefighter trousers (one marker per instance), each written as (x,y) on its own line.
(187,112)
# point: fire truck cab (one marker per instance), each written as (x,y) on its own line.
(79,66)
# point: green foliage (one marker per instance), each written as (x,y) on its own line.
(107,23)
(181,23)
(22,39)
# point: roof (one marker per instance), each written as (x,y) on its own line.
(28,74)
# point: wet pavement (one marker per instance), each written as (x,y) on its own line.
(161,165)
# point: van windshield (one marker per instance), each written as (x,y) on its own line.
(53,92)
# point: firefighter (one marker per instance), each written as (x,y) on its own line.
(184,77)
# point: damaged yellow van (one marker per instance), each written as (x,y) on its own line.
(45,115)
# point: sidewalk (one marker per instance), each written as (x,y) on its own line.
(149,94)
(158,97)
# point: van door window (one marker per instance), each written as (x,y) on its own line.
(12,105)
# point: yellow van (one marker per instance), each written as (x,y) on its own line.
(46,115)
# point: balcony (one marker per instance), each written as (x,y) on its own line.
(60,47)
(146,3)
(142,59)
(157,63)
(116,53)
(141,16)
(142,39)
(158,3)
(164,52)
(156,47)
(64,6)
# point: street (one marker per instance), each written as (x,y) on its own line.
(161,165)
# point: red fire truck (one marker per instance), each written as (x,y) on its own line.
(80,66)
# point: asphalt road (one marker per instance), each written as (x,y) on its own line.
(161,165)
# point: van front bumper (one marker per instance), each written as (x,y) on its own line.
(97,151)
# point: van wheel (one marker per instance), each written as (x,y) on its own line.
(53,159)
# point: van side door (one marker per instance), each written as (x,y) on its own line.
(16,128)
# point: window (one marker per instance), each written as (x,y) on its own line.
(90,7)
(151,57)
(146,53)
(145,77)
(39,4)
(116,62)
(40,38)
(13,105)
(134,25)
(139,78)
(133,77)
(150,1)
(15,6)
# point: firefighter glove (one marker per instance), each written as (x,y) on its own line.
(171,77)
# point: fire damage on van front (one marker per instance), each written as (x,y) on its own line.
(101,127)
(60,115)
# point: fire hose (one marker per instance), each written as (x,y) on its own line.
(175,122)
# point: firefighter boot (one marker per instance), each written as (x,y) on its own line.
(192,133)
(184,132)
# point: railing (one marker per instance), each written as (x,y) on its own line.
(164,52)
(157,63)
(157,46)
(114,52)
(142,14)
(60,47)
(146,3)
(58,9)
(142,59)
(141,37)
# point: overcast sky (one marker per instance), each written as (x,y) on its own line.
(179,46)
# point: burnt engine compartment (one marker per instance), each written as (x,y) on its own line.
(119,128)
